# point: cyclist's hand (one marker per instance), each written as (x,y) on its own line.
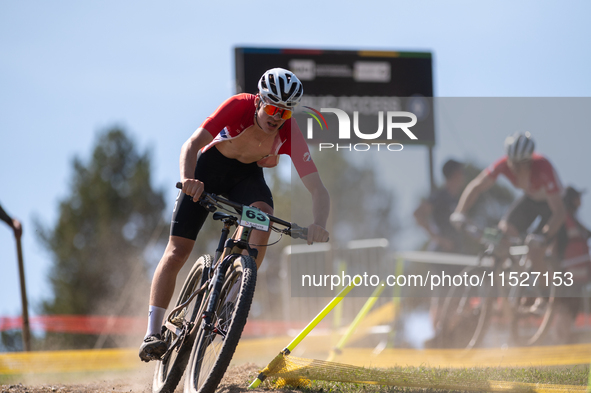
(317,234)
(193,188)
(535,240)
(458,220)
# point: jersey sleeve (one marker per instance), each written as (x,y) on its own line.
(226,114)
(497,167)
(299,152)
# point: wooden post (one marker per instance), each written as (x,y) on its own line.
(431,174)
(21,272)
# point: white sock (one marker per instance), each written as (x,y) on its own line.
(155,318)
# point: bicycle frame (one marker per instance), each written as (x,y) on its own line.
(228,249)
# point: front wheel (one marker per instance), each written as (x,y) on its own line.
(533,309)
(466,313)
(169,371)
(213,349)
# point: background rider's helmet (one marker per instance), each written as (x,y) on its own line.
(281,87)
(519,147)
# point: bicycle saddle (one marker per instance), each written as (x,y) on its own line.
(222,216)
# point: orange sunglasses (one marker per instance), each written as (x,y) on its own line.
(271,110)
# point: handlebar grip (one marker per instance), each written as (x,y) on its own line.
(179,185)
(304,233)
(301,233)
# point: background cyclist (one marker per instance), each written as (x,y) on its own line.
(225,156)
(535,175)
(433,216)
(433,213)
(577,261)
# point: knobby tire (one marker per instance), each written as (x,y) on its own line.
(168,373)
(466,313)
(530,323)
(211,354)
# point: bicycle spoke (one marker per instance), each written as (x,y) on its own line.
(170,369)
(214,348)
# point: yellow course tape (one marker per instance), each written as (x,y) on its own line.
(68,361)
(125,359)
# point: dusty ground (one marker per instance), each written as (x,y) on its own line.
(236,380)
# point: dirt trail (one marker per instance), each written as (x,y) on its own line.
(236,380)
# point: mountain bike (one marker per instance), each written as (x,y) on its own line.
(203,329)
(506,291)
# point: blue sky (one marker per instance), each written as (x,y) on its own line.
(69,69)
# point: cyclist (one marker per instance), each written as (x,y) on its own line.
(576,256)
(532,173)
(433,213)
(226,156)
(576,261)
(433,216)
(12,222)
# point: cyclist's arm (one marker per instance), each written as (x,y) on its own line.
(480,184)
(422,214)
(320,207)
(558,215)
(188,162)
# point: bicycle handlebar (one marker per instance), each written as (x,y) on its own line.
(490,236)
(208,199)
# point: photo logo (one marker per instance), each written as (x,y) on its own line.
(315,114)
(394,121)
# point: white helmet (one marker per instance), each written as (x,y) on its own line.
(519,147)
(281,87)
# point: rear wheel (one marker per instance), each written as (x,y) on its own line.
(466,313)
(169,371)
(213,351)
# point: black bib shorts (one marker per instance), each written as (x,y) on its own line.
(228,177)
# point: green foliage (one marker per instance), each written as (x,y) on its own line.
(103,228)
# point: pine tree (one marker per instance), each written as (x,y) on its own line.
(105,224)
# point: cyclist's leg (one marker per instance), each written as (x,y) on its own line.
(517,220)
(260,237)
(187,220)
(252,190)
(520,215)
(537,252)
(176,254)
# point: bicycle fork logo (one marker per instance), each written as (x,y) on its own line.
(392,123)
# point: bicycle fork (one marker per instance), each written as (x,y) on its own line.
(217,284)
(229,250)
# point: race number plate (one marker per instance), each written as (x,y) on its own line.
(254,218)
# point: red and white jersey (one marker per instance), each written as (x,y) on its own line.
(236,114)
(543,179)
